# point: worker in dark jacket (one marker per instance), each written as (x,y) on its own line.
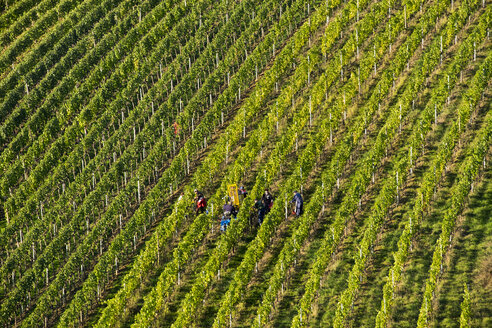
(260,207)
(229,209)
(267,199)
(297,199)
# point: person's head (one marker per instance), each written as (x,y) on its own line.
(295,192)
(196,191)
(267,191)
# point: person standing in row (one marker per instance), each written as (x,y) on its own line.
(260,208)
(267,200)
(297,199)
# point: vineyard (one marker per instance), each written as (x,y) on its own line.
(114,113)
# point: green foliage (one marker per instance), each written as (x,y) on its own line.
(109,108)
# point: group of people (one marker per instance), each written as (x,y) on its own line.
(229,211)
(262,206)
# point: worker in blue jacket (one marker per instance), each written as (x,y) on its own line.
(297,199)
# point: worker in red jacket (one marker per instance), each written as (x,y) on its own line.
(200,201)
